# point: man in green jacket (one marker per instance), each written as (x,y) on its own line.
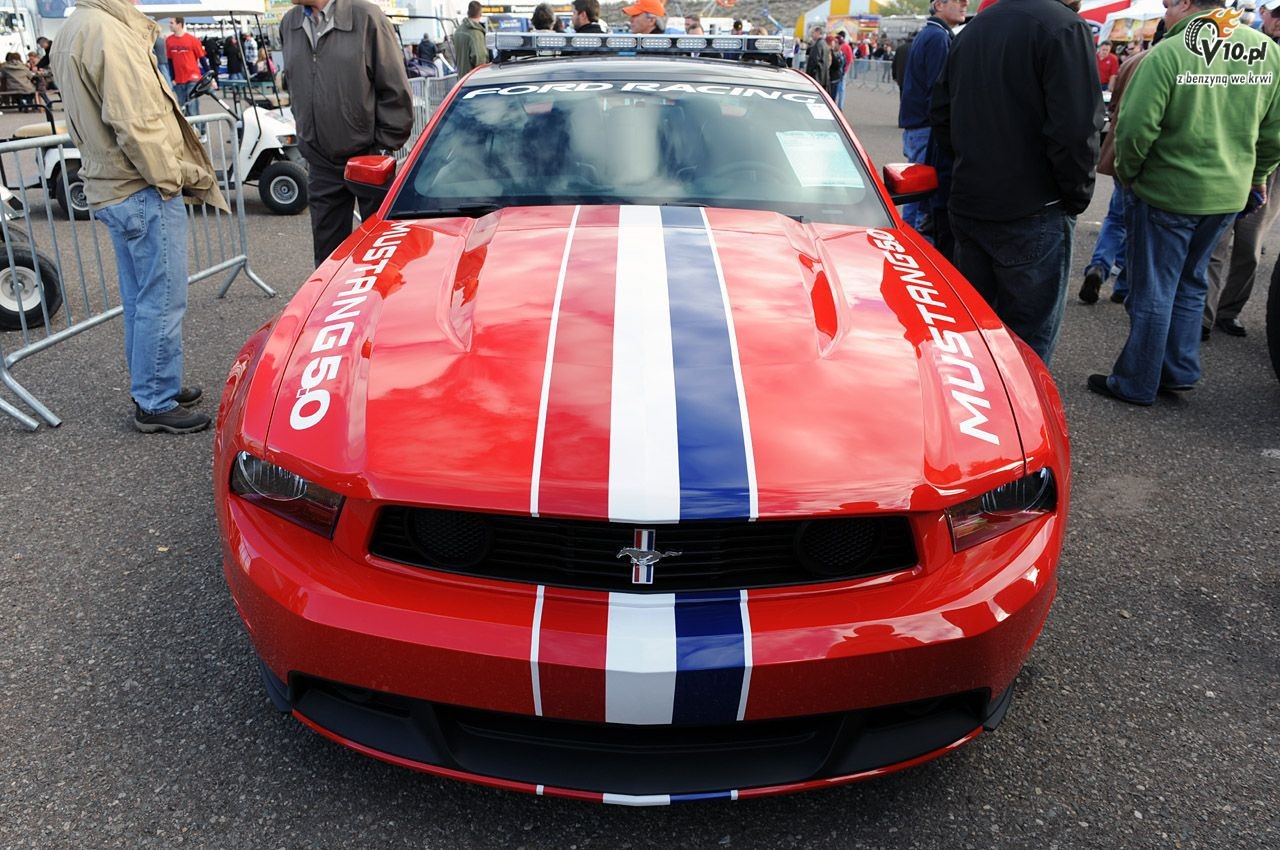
(468,42)
(1199,129)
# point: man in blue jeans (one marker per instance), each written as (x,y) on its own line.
(139,158)
(1019,106)
(923,65)
(1189,177)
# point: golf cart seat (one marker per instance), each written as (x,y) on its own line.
(264,96)
(38,129)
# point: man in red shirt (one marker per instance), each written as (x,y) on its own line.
(186,57)
(1108,65)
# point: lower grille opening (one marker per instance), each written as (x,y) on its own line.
(625,759)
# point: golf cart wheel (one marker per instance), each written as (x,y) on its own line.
(71,197)
(283,187)
(39,294)
(1273,320)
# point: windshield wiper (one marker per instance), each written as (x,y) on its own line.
(467,210)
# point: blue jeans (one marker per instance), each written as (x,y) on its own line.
(1020,267)
(1168,266)
(1109,250)
(149,235)
(183,92)
(840,92)
(915,147)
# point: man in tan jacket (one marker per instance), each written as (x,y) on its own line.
(139,159)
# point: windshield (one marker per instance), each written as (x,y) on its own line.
(641,143)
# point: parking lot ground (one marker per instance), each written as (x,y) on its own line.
(1147,716)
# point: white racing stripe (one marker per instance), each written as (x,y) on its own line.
(638,799)
(640,659)
(644,457)
(536,638)
(536,480)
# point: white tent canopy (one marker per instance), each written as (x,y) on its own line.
(203,9)
(1143,10)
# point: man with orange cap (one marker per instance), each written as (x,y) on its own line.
(647,16)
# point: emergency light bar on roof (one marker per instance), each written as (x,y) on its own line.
(515,44)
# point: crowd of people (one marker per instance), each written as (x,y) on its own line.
(1016,145)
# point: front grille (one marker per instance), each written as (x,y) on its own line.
(714,554)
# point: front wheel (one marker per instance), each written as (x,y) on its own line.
(25,296)
(71,197)
(283,187)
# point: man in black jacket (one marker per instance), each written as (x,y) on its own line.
(1020,107)
(817,63)
(346,76)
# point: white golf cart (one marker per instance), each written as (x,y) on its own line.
(267,136)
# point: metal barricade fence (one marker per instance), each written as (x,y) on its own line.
(56,278)
(428,93)
(871,74)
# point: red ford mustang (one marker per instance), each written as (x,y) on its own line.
(636,451)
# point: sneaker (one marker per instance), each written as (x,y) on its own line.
(186,397)
(189,396)
(176,421)
(1118,297)
(1093,277)
(1232,327)
(1098,384)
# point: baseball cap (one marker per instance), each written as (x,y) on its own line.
(1272,6)
(641,7)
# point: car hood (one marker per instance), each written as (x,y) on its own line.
(644,364)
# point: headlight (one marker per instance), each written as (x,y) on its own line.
(276,489)
(1002,509)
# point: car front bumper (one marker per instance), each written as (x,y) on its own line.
(442,673)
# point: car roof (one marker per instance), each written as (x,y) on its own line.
(674,68)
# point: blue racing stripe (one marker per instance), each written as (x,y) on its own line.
(710,657)
(709,795)
(713,456)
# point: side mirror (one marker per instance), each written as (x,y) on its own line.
(909,182)
(370,176)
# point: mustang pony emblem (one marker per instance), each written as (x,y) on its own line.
(643,556)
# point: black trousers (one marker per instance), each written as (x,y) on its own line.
(332,205)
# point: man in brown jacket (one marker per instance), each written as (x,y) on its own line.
(139,159)
(350,94)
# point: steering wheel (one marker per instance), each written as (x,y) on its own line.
(763,171)
(205,84)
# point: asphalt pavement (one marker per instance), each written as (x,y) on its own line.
(131,713)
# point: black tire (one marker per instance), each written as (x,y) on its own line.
(71,203)
(1273,320)
(282,185)
(37,297)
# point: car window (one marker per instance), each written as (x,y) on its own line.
(595,142)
